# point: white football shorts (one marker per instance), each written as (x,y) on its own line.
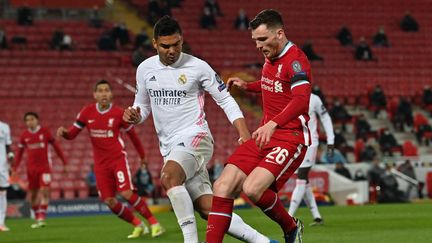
(193,154)
(310,157)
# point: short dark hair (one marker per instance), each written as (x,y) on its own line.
(31,113)
(166,26)
(102,81)
(269,17)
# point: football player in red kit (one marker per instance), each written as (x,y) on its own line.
(35,140)
(261,166)
(104,123)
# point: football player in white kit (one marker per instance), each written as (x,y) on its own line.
(6,155)
(303,188)
(171,85)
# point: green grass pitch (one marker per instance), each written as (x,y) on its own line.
(369,224)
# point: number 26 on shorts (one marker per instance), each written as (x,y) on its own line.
(277,155)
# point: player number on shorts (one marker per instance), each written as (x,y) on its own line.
(120,176)
(280,153)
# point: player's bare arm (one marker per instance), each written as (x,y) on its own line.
(242,130)
(236,81)
(263,134)
(132,115)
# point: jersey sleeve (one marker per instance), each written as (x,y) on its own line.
(254,86)
(78,125)
(299,71)
(325,119)
(81,119)
(142,99)
(8,135)
(215,86)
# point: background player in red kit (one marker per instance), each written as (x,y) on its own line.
(35,140)
(263,164)
(104,123)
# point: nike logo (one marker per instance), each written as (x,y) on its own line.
(91,121)
(269,161)
(122,185)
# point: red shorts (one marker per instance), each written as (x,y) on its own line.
(281,158)
(38,179)
(113,178)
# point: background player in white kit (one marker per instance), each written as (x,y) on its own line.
(303,188)
(171,85)
(6,155)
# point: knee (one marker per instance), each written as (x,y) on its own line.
(126,194)
(110,202)
(252,192)
(223,188)
(169,180)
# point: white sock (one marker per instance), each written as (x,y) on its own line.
(244,232)
(184,211)
(311,202)
(297,196)
(3,207)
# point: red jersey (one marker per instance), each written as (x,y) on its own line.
(36,144)
(104,129)
(279,78)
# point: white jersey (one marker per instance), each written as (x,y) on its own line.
(316,107)
(5,139)
(175,96)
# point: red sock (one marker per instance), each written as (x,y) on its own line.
(274,209)
(36,211)
(42,211)
(124,213)
(219,219)
(141,207)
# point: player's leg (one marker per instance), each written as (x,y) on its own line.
(302,179)
(3,207)
(173,177)
(199,188)
(125,188)
(140,205)
(299,190)
(312,205)
(4,184)
(227,187)
(43,197)
(303,188)
(106,185)
(281,160)
(34,179)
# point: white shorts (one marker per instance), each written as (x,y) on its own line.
(193,160)
(4,178)
(310,157)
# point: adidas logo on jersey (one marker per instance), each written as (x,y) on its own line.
(153,78)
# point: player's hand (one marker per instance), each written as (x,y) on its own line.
(237,82)
(61,131)
(132,115)
(66,169)
(330,150)
(263,134)
(143,162)
(244,137)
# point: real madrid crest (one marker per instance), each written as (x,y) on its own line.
(182,79)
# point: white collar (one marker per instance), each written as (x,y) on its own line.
(105,111)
